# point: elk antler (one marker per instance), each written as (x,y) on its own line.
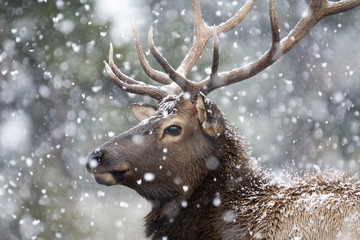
(316,10)
(175,81)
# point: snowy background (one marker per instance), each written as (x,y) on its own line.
(57,103)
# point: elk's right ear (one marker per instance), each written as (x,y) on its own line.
(142,111)
(211,126)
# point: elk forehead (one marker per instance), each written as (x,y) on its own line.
(168,105)
(175,105)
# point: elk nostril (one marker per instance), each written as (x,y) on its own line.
(94,159)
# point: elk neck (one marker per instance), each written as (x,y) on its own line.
(236,171)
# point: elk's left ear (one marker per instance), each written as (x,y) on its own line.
(142,111)
(210,126)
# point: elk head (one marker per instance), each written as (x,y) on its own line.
(167,154)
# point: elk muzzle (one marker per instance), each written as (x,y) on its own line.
(104,172)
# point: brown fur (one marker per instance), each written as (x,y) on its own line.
(207,187)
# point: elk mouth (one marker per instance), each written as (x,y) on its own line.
(110,177)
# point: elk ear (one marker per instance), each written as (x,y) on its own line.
(142,111)
(210,125)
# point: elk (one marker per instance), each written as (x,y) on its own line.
(190,163)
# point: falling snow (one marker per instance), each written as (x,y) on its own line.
(56,104)
(149,177)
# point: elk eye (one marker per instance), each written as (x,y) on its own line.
(173,130)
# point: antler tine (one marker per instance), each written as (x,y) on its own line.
(202,33)
(214,78)
(185,84)
(129,84)
(237,18)
(158,76)
(331,8)
(274,23)
(141,89)
(316,10)
(116,70)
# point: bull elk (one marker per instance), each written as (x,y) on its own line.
(191,165)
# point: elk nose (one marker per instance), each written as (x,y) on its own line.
(94,160)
